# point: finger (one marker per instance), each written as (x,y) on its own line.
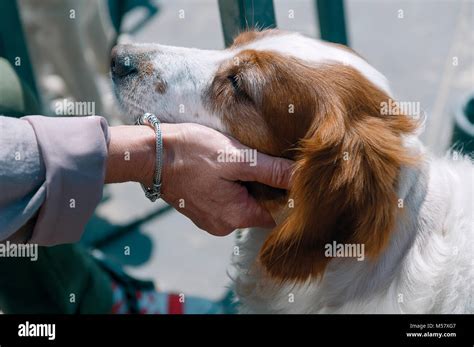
(254,215)
(272,171)
(217,230)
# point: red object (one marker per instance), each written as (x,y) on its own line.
(174,305)
(116,307)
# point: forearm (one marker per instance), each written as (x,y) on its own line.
(130,156)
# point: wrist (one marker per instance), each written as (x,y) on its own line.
(131,154)
(163,141)
(145,172)
(170,135)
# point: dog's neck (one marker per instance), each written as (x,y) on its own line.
(274,200)
(278,210)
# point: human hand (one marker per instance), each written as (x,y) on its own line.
(194,181)
(206,189)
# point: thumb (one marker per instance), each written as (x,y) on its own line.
(272,171)
(255,215)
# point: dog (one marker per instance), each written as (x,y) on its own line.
(372,223)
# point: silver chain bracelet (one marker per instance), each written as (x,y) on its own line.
(154,192)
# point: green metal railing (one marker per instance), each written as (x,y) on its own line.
(332,21)
(119,8)
(462,139)
(240,15)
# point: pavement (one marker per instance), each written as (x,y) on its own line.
(424,47)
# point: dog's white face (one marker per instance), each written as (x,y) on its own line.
(291,96)
(167,81)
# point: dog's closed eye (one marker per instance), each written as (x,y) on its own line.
(234,81)
(238,87)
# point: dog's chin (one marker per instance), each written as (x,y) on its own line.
(130,113)
(130,109)
(130,101)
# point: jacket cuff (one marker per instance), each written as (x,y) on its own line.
(74,152)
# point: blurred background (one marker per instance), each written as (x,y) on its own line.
(425,48)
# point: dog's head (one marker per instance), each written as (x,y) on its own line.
(291,96)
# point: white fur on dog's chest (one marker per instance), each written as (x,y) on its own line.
(259,294)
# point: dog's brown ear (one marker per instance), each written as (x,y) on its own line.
(343,186)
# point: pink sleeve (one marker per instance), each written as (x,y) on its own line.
(74,151)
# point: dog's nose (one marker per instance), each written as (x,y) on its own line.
(121,63)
